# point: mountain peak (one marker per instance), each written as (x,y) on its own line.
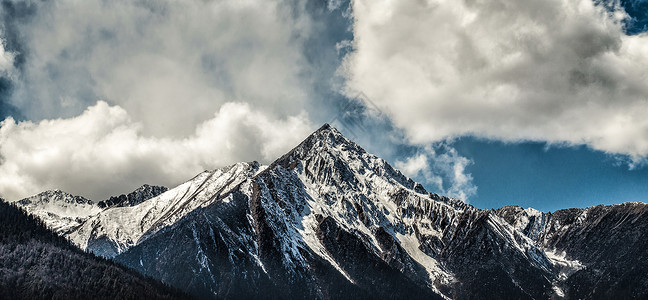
(326,134)
(325,126)
(338,222)
(322,140)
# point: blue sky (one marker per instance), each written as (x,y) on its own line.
(549,178)
(539,104)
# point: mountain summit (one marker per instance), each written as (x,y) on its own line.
(329,220)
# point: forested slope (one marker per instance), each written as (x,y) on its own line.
(35,263)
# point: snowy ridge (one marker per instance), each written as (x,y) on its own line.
(138,196)
(574,240)
(60,211)
(116,229)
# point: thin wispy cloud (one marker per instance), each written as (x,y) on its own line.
(443,169)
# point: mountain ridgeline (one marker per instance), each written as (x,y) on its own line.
(328,220)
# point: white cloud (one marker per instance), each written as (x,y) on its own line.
(560,71)
(6,60)
(413,165)
(103,151)
(442,168)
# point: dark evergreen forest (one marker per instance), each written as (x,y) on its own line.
(35,263)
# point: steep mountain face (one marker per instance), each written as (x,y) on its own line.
(601,249)
(138,196)
(36,263)
(329,220)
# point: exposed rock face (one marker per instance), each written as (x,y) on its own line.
(138,196)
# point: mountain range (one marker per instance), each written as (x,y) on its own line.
(329,220)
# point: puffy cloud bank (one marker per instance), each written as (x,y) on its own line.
(103,150)
(560,71)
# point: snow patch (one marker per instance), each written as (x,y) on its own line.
(567,266)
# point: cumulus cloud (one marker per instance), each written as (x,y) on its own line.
(187,85)
(413,165)
(443,168)
(103,150)
(560,71)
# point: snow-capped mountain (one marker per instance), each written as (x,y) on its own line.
(62,212)
(36,263)
(598,252)
(114,230)
(329,220)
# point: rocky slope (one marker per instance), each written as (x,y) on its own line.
(114,230)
